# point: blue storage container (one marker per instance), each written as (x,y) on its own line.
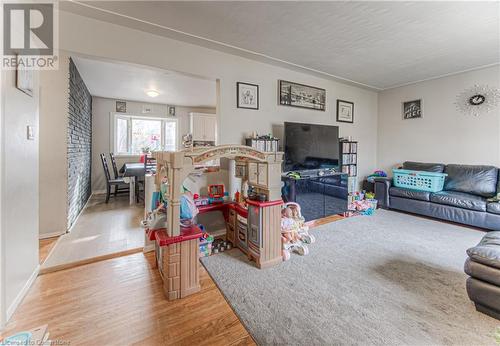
(419,180)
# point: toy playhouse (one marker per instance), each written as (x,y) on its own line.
(254,227)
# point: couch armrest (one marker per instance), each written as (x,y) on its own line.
(382,185)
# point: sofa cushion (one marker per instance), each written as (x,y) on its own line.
(478,180)
(488,250)
(493,207)
(407,193)
(460,200)
(422,166)
(482,272)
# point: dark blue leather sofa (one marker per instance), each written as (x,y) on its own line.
(464,198)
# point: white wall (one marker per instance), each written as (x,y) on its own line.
(444,134)
(54,93)
(115,42)
(19,192)
(102,130)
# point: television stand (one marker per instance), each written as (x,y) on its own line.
(319,192)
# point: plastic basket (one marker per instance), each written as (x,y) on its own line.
(419,180)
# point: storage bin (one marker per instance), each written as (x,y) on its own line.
(419,180)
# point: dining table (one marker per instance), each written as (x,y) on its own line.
(131,172)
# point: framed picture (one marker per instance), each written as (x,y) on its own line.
(412,109)
(171,111)
(345,111)
(121,107)
(24,80)
(247,95)
(302,96)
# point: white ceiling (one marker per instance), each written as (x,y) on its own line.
(130,82)
(375,44)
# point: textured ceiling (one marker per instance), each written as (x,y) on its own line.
(130,82)
(377,44)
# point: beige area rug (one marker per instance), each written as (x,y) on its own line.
(387,279)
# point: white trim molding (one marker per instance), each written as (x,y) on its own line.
(50,235)
(20,296)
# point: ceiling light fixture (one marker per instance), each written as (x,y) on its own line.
(152,93)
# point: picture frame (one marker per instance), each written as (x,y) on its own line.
(301,96)
(121,107)
(412,109)
(171,111)
(24,80)
(345,111)
(247,96)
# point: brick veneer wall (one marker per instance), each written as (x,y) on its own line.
(79,144)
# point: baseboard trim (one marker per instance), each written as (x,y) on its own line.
(50,235)
(89,261)
(80,213)
(99,192)
(18,300)
(149,248)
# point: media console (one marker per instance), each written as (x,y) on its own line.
(320,193)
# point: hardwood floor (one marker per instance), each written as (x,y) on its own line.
(323,221)
(120,302)
(101,230)
(45,245)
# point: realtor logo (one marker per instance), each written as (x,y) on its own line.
(29,35)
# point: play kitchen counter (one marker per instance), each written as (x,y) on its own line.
(256,231)
(251,229)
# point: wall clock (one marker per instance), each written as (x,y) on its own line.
(478,100)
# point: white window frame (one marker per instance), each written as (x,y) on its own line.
(129,118)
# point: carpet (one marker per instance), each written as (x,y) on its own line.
(386,279)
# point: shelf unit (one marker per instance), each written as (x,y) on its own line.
(349,162)
(349,157)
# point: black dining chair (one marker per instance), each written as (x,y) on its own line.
(112,182)
(113,164)
(149,167)
(149,164)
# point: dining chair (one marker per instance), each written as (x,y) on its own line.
(113,164)
(149,167)
(112,182)
(149,164)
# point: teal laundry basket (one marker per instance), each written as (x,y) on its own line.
(419,180)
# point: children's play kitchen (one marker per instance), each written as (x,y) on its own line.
(253,218)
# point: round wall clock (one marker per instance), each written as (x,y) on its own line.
(478,99)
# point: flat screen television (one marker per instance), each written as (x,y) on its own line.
(310,146)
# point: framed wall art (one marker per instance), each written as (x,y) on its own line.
(412,109)
(302,96)
(121,107)
(24,80)
(247,95)
(345,111)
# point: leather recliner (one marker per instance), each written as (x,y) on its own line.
(483,267)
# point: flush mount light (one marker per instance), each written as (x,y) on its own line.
(152,93)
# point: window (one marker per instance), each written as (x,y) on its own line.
(135,134)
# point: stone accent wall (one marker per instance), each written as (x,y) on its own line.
(79,144)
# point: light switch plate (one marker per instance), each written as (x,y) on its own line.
(30,132)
